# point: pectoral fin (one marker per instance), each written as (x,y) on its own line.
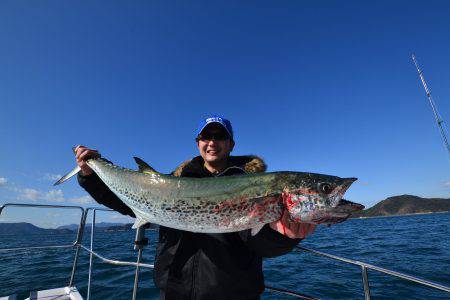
(256,229)
(139,219)
(138,223)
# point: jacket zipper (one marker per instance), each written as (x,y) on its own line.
(194,270)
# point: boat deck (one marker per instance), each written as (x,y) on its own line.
(64,293)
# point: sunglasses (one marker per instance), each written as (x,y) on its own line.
(209,136)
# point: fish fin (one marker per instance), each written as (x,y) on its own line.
(256,229)
(140,220)
(68,175)
(144,167)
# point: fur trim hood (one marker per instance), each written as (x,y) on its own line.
(248,163)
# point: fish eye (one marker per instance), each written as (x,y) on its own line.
(325,188)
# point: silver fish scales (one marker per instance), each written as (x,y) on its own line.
(228,203)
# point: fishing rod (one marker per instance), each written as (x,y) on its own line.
(437,117)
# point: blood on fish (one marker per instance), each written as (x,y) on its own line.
(261,206)
(289,201)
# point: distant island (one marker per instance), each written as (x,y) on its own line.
(28,228)
(97,225)
(405,205)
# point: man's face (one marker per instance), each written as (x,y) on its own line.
(214,143)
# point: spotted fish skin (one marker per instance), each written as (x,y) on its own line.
(222,204)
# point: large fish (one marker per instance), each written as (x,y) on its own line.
(228,203)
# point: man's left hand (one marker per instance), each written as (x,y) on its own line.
(291,229)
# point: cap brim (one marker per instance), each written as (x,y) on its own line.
(224,127)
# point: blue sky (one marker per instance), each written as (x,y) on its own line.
(324,86)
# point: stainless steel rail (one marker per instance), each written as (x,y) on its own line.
(78,245)
(117,262)
(39,206)
(290,293)
(36,247)
(364,266)
(91,256)
(139,242)
(2,207)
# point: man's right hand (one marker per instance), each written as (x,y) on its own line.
(82,154)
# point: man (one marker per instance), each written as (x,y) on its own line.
(207,266)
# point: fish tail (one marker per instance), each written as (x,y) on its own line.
(68,175)
(71,173)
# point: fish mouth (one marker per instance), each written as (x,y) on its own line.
(342,186)
(338,214)
(349,206)
(345,184)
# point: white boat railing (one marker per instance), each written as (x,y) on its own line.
(141,241)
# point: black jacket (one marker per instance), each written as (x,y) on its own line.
(206,266)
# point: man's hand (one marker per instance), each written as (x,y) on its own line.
(82,154)
(291,229)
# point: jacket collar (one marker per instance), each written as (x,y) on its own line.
(248,164)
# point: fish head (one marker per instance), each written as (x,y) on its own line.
(309,193)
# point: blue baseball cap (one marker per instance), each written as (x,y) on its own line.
(226,124)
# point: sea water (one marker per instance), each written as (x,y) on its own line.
(418,245)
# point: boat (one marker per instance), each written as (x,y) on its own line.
(70,292)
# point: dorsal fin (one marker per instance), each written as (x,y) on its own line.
(144,167)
